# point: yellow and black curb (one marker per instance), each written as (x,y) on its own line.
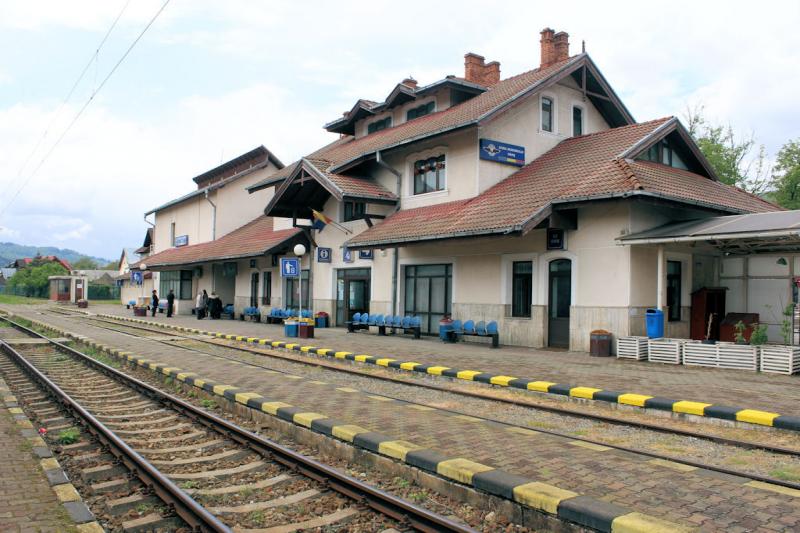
(64,490)
(548,499)
(679,407)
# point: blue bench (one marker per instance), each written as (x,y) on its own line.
(397,324)
(277,315)
(131,303)
(228,311)
(470,328)
(252,313)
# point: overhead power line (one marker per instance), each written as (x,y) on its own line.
(92,59)
(83,108)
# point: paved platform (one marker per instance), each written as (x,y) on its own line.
(27,502)
(753,390)
(690,497)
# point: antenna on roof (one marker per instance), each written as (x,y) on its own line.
(583,46)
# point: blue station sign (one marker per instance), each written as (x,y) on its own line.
(181,240)
(290,267)
(500,152)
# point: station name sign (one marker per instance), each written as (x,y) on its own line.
(500,152)
(181,240)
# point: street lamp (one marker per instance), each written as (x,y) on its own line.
(299,251)
(142,268)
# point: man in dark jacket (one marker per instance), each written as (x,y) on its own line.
(154,302)
(170,302)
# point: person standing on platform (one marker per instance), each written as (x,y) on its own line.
(199,308)
(170,302)
(205,303)
(154,302)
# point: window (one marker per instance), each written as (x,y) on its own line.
(379,125)
(674,290)
(421,111)
(577,121)
(354,210)
(172,234)
(428,291)
(663,152)
(266,289)
(522,289)
(292,290)
(429,175)
(179,281)
(547,114)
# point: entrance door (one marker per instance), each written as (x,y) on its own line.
(352,293)
(560,295)
(78,290)
(254,289)
(428,293)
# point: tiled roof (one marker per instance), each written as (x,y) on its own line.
(578,168)
(352,186)
(349,148)
(254,238)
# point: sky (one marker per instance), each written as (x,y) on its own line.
(211,80)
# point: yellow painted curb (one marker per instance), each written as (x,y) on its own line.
(633,399)
(347,432)
(541,496)
(461,469)
(397,448)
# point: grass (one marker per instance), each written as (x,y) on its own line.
(13,299)
(69,436)
(209,404)
(786,473)
(189,484)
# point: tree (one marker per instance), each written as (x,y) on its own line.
(32,280)
(737,161)
(113,265)
(85,263)
(787,175)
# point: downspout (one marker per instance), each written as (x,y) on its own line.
(396,254)
(213,216)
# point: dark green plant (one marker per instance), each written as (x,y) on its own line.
(69,436)
(738,334)
(786,324)
(759,336)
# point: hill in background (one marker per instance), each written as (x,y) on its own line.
(10,252)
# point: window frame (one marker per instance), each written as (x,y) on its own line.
(180,281)
(553,126)
(172,233)
(372,127)
(440,175)
(583,120)
(674,311)
(266,288)
(354,214)
(428,107)
(518,281)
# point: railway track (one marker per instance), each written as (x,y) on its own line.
(158,334)
(171,465)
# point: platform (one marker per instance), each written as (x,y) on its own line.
(691,497)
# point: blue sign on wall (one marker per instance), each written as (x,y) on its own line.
(323,255)
(365,254)
(137,277)
(509,154)
(347,256)
(290,267)
(181,240)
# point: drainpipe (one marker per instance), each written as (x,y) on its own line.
(396,254)
(213,216)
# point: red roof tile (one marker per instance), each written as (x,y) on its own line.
(578,168)
(254,238)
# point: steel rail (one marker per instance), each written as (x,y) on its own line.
(471,394)
(181,503)
(383,502)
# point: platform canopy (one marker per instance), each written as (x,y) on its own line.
(773,232)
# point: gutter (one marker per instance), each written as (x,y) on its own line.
(711,237)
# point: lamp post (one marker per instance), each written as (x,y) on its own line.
(142,268)
(299,251)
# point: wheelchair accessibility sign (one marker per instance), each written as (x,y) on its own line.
(290,267)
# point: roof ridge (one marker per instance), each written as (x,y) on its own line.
(629,174)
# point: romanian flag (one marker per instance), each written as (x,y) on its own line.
(320,220)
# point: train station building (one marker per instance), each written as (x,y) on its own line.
(478,197)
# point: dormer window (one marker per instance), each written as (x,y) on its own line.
(421,111)
(429,175)
(379,125)
(547,114)
(354,211)
(663,152)
(577,121)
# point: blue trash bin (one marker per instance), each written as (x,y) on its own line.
(654,319)
(445,326)
(290,329)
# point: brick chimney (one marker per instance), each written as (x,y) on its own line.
(548,50)
(410,82)
(561,46)
(477,71)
